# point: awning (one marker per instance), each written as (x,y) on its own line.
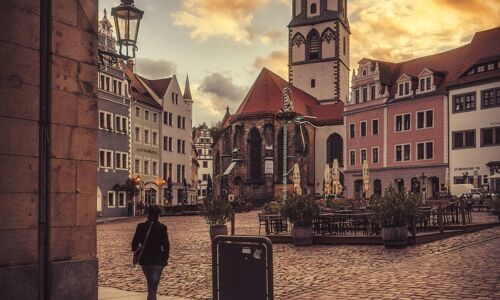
(496,176)
(229,169)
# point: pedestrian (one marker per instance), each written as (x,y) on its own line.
(153,236)
(130,207)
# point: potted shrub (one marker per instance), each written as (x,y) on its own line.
(217,212)
(394,210)
(300,210)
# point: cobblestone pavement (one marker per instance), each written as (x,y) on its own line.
(462,267)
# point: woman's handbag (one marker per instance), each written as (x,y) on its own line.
(138,252)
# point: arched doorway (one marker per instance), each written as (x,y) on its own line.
(399,184)
(335,149)
(358,189)
(433,184)
(150,196)
(377,187)
(415,185)
(99,200)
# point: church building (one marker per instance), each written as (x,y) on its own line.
(248,153)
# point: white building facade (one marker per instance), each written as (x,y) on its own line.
(474,118)
(203,144)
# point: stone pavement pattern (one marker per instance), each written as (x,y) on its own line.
(462,267)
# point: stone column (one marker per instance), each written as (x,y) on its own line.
(59,263)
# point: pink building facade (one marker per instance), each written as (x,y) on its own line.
(398,118)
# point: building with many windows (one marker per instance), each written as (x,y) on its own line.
(174,134)
(202,141)
(145,140)
(114,131)
(474,106)
(403,116)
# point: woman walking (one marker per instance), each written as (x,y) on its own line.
(151,249)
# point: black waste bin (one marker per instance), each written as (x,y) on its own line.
(242,268)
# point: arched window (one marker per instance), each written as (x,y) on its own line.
(335,149)
(328,35)
(313,8)
(313,45)
(415,185)
(298,39)
(227,149)
(301,139)
(399,184)
(255,154)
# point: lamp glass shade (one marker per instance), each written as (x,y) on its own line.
(127,20)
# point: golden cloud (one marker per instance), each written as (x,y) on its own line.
(229,19)
(405,29)
(276,61)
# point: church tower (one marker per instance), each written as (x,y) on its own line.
(319,49)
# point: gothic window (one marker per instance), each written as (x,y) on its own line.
(227,142)
(328,35)
(255,154)
(269,134)
(301,139)
(335,149)
(298,39)
(238,136)
(313,8)
(314,45)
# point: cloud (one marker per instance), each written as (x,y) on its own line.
(222,87)
(405,29)
(230,19)
(276,61)
(155,68)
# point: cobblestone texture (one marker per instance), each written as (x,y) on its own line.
(462,267)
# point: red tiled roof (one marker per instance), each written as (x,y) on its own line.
(138,91)
(450,65)
(266,97)
(159,86)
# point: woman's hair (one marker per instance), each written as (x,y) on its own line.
(154,212)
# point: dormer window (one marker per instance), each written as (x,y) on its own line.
(404,88)
(425,84)
(313,8)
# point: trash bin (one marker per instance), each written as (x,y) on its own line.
(242,268)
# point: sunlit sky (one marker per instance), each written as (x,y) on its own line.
(223,44)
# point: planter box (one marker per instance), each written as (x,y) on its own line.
(395,237)
(302,235)
(217,230)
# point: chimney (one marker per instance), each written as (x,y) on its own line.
(130,64)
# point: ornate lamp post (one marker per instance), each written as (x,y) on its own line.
(286,115)
(127,20)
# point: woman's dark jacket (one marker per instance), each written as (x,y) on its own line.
(157,249)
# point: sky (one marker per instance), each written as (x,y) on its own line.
(223,44)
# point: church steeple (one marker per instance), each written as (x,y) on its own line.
(187,90)
(319,48)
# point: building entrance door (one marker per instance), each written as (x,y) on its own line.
(150,197)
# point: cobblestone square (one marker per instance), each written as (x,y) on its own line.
(462,267)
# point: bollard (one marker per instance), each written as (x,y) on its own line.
(462,210)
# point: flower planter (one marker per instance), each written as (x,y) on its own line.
(395,237)
(217,230)
(302,235)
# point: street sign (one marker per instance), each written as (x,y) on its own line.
(242,268)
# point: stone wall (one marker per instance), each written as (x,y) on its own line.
(72,264)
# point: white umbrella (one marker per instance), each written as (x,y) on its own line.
(327,189)
(475,179)
(296,179)
(366,178)
(337,187)
(447,179)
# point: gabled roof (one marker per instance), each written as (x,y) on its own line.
(266,96)
(449,65)
(138,91)
(159,86)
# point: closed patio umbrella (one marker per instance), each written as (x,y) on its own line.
(475,180)
(447,179)
(337,187)
(328,180)
(366,178)
(296,179)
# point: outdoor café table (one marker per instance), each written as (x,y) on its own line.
(272,223)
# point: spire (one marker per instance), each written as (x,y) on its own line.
(187,90)
(105,14)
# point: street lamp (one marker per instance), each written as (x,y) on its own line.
(137,181)
(127,20)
